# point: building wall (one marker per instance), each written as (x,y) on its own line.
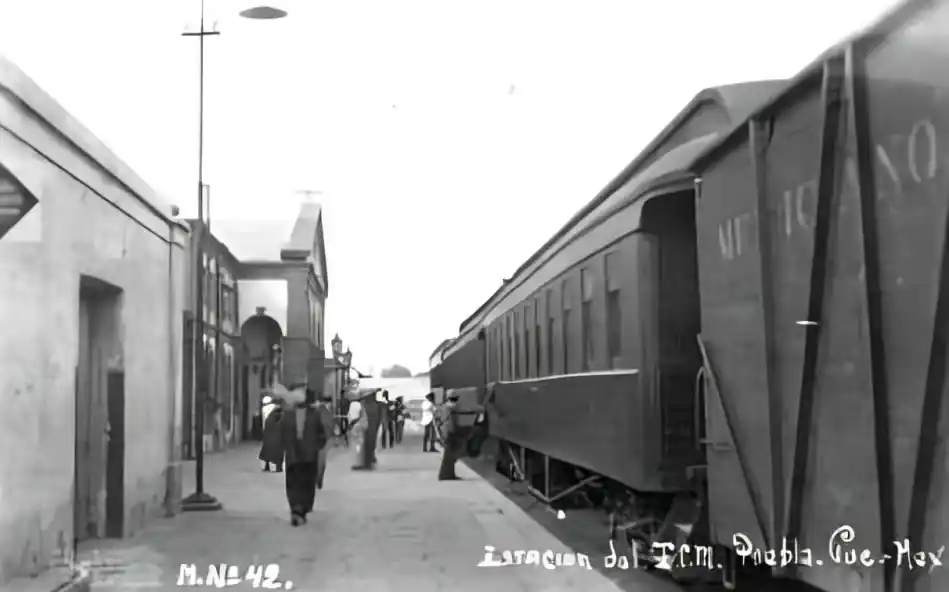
(220,315)
(76,232)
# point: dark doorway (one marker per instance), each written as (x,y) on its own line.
(99,360)
(115,458)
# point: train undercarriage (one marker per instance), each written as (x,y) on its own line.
(666,533)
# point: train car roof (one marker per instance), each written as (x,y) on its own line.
(441,347)
(736,100)
(868,37)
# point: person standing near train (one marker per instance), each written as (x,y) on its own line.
(428,423)
(457,426)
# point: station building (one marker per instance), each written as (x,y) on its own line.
(93,266)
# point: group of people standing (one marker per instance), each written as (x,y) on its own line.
(299,431)
(459,428)
(370,414)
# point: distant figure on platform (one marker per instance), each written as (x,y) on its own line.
(362,407)
(400,414)
(458,425)
(391,419)
(428,423)
(357,424)
(302,437)
(373,407)
(343,414)
(271,451)
(386,421)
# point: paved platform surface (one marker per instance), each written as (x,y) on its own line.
(393,529)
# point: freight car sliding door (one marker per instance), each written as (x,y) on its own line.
(672,317)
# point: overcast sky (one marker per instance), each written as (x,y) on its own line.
(450,138)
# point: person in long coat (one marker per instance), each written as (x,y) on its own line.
(271,450)
(374,407)
(325,409)
(302,437)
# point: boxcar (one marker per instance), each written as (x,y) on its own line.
(822,257)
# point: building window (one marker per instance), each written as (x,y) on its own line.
(586,319)
(565,329)
(614,311)
(228,391)
(550,332)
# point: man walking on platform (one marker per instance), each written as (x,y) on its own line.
(302,436)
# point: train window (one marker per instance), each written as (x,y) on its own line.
(586,318)
(489,359)
(565,328)
(498,357)
(614,311)
(537,366)
(550,332)
(528,342)
(509,358)
(517,346)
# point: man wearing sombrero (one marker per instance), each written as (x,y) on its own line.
(301,437)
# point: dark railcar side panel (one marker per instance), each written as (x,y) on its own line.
(563,417)
(739,471)
(464,367)
(908,112)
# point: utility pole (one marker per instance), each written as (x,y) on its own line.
(199,500)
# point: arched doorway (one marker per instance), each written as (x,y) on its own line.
(261,366)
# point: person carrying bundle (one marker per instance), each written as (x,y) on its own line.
(301,437)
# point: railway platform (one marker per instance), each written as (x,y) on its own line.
(396,528)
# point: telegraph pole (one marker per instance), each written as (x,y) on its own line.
(199,500)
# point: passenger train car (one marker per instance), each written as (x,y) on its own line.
(746,332)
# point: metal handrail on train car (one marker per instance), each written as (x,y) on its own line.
(742,461)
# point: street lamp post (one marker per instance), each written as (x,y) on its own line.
(347,360)
(337,345)
(200,500)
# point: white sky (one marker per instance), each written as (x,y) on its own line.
(429,205)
